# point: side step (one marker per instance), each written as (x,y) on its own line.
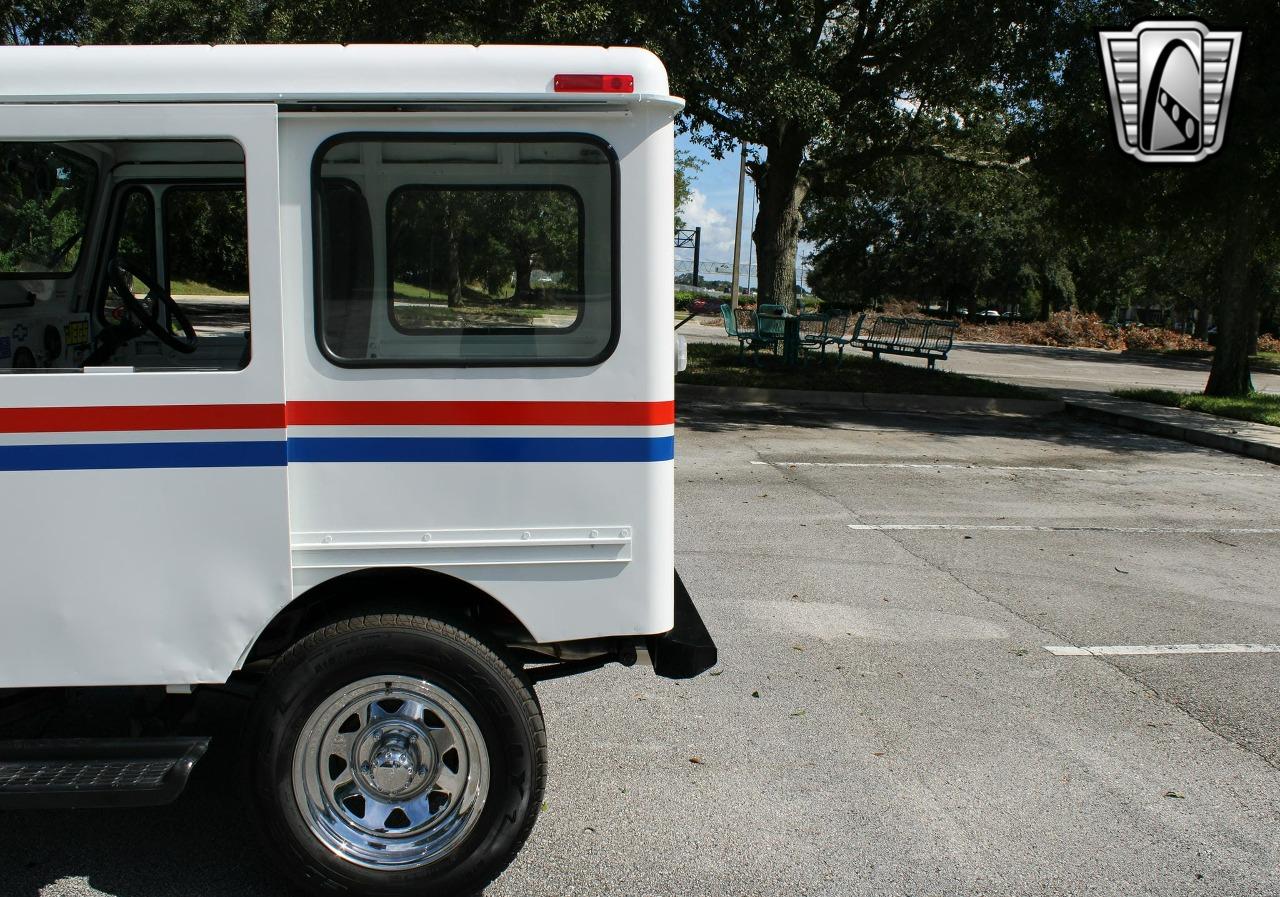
(96,772)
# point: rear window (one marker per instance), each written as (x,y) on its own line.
(46,194)
(466,250)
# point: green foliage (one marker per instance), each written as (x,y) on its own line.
(931,231)
(683,298)
(133,21)
(1204,236)
(829,88)
(208,237)
(45,194)
(687,167)
(483,245)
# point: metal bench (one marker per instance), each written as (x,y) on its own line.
(916,337)
(752,330)
(740,326)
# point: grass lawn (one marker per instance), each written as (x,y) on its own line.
(411,291)
(417,306)
(194,288)
(1261,408)
(718,365)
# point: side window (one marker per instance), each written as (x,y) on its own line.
(481,250)
(157,279)
(46,194)
(206,256)
(176,283)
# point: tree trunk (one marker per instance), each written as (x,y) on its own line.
(455,271)
(1239,286)
(524,277)
(1202,320)
(783,187)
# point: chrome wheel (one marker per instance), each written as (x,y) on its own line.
(391,772)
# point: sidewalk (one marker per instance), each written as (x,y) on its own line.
(1236,436)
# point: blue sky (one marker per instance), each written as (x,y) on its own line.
(712,207)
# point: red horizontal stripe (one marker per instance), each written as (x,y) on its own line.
(141,417)
(497,414)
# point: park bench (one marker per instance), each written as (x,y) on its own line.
(916,337)
(753,331)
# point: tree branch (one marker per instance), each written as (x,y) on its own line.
(715,119)
(939,151)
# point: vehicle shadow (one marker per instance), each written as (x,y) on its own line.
(1059,430)
(201,845)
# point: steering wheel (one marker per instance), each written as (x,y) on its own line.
(157,312)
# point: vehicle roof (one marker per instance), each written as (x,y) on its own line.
(318,72)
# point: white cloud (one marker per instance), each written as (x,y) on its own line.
(717,227)
(717,235)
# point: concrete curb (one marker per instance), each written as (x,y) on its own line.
(1223,434)
(866,401)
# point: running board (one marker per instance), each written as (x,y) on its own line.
(95,772)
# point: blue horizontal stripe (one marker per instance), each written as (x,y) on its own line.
(134,455)
(448,448)
(137,455)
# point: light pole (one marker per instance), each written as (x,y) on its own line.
(737,231)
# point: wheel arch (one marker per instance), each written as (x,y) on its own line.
(388,590)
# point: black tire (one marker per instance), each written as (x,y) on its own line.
(492,690)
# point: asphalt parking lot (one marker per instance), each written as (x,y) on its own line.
(886,719)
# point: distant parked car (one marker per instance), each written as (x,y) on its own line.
(989,313)
(705,305)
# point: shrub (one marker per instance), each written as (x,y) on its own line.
(900,308)
(1072,328)
(1064,328)
(1147,339)
(1268,342)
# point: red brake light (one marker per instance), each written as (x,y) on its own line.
(595,84)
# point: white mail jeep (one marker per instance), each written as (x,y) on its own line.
(335,383)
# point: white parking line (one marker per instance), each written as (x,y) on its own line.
(887,465)
(1025,528)
(1122,650)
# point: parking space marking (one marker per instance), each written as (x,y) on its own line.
(1026,468)
(1029,528)
(1127,650)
